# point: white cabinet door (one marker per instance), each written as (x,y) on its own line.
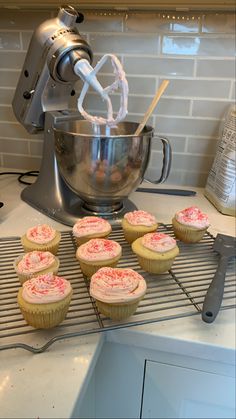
(176,392)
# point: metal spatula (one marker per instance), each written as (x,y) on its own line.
(225,246)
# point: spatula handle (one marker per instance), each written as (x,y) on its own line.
(214,295)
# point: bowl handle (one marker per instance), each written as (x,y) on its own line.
(167,158)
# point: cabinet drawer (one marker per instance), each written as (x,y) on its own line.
(175,392)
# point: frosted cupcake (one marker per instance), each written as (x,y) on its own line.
(137,223)
(44,300)
(117,291)
(97,253)
(41,237)
(156,252)
(35,263)
(89,228)
(190,224)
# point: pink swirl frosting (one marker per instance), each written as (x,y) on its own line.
(45,289)
(193,217)
(158,242)
(140,217)
(116,285)
(91,225)
(98,249)
(35,261)
(41,234)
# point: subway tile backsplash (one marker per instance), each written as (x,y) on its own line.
(217,46)
(161,66)
(132,44)
(216,68)
(10,41)
(199,88)
(196,52)
(22,19)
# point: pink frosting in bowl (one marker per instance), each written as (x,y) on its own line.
(47,288)
(98,249)
(193,217)
(116,285)
(158,242)
(34,261)
(41,234)
(140,217)
(91,225)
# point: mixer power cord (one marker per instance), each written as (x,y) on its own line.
(21,175)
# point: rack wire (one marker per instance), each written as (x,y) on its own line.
(178,293)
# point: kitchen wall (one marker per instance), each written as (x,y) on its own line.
(194,51)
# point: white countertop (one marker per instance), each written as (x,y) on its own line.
(70,362)
(163,206)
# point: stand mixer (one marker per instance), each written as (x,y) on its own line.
(84,170)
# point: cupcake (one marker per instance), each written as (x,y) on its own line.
(35,263)
(156,252)
(89,228)
(117,291)
(41,237)
(137,223)
(97,253)
(190,224)
(44,300)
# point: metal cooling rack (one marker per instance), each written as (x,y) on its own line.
(175,294)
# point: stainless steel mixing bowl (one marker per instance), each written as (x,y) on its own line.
(104,168)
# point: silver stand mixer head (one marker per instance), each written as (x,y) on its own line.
(47,78)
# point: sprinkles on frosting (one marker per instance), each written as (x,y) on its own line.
(158,242)
(140,217)
(98,249)
(41,234)
(91,225)
(47,288)
(117,285)
(193,217)
(35,261)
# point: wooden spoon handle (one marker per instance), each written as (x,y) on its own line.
(151,108)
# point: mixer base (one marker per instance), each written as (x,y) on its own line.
(68,211)
(113,215)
